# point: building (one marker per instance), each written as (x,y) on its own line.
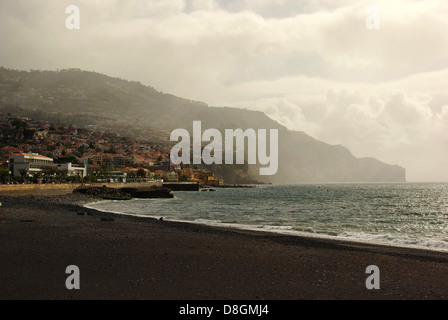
(118,176)
(73,169)
(119,160)
(173,176)
(10,150)
(207,178)
(31,163)
(40,135)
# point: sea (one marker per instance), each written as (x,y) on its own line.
(403,214)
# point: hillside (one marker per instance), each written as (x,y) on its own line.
(90,99)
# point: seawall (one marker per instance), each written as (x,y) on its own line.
(58,189)
(182,186)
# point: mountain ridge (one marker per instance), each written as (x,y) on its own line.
(130,107)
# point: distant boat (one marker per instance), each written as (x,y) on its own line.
(208,189)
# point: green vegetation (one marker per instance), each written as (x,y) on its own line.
(4,175)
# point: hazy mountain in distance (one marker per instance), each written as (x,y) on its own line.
(125,104)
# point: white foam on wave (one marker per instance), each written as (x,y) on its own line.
(91,206)
(385,240)
(276,228)
(431,244)
(379,239)
(208,221)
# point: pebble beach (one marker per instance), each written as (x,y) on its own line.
(126,257)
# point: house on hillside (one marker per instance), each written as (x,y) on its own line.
(40,135)
(10,150)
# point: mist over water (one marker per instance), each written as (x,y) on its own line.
(400,214)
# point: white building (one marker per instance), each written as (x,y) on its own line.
(73,169)
(34,163)
(31,163)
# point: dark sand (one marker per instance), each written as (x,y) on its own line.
(136,258)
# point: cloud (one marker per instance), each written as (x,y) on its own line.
(207,5)
(282,8)
(329,42)
(312,65)
(398,128)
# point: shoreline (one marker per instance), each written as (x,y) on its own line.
(247,229)
(140,258)
(285,232)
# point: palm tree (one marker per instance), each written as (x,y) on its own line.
(22,175)
(105,171)
(49,173)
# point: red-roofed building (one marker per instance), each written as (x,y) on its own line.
(9,150)
(31,163)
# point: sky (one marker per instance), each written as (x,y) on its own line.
(370,75)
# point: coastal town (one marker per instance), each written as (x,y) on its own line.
(38,151)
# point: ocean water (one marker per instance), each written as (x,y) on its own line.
(407,214)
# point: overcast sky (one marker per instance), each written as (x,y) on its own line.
(312,65)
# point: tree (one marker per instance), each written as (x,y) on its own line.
(49,173)
(111,150)
(92,176)
(22,174)
(183,178)
(66,159)
(19,123)
(4,175)
(141,173)
(105,171)
(37,177)
(131,174)
(81,150)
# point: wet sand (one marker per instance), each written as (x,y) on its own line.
(138,258)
